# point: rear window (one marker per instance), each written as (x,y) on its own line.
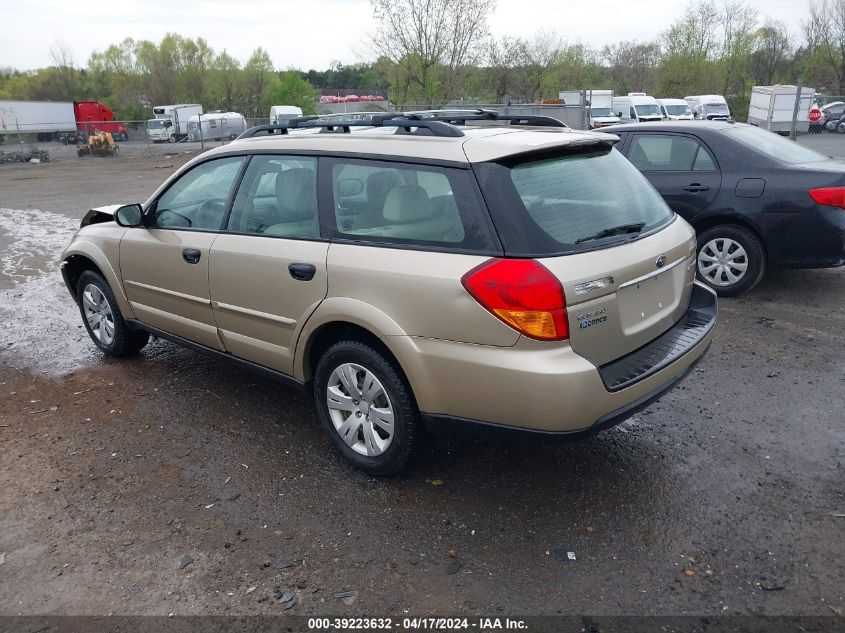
(562,203)
(773,145)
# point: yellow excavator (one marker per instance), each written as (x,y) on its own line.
(99,144)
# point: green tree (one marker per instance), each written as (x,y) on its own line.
(292,89)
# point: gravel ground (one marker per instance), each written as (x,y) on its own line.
(172,483)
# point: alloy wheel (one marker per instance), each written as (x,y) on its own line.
(99,314)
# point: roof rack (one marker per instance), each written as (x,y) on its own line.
(428,123)
(403,125)
(460,117)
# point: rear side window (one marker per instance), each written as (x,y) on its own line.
(655,152)
(278,197)
(562,203)
(772,145)
(408,204)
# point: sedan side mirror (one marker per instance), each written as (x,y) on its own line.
(129,215)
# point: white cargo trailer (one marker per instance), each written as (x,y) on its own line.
(772,107)
(44,118)
(216,126)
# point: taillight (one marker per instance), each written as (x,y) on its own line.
(829,196)
(523,294)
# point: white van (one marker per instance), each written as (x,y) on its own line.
(637,107)
(283,113)
(709,107)
(675,110)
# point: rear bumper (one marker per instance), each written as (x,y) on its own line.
(546,388)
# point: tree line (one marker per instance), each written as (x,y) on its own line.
(438,52)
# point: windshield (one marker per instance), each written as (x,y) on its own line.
(678,110)
(156,124)
(773,145)
(560,203)
(715,108)
(647,110)
(601,112)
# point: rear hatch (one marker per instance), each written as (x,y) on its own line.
(624,259)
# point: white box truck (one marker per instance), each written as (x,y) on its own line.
(600,103)
(771,108)
(46,119)
(171,122)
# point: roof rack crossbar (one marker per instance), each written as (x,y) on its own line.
(387,119)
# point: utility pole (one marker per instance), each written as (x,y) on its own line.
(793,126)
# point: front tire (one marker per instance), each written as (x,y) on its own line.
(730,260)
(103,319)
(366,407)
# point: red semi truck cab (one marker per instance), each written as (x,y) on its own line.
(95,115)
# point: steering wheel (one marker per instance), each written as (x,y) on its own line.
(210,214)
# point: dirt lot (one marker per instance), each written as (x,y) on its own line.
(171,483)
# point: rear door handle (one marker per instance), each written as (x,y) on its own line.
(302,272)
(191,255)
(695,187)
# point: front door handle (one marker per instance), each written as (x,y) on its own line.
(696,187)
(302,272)
(191,255)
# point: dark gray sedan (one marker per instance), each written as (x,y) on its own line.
(757,201)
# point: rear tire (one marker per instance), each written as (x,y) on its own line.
(103,320)
(730,260)
(373,420)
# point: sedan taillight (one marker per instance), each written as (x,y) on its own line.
(829,196)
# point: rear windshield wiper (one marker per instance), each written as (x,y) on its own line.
(633,227)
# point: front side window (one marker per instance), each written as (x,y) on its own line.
(655,152)
(414,204)
(278,197)
(197,199)
(574,201)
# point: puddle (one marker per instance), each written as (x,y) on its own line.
(31,242)
(41,326)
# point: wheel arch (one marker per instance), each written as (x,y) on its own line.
(342,318)
(712,221)
(82,256)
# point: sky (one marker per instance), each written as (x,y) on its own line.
(314,33)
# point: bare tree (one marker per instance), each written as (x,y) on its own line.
(67,77)
(738,21)
(431,40)
(824,31)
(632,64)
(772,45)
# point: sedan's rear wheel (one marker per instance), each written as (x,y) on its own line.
(366,407)
(730,260)
(102,318)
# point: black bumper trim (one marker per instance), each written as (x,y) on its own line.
(447,424)
(698,320)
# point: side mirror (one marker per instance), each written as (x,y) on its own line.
(129,215)
(619,114)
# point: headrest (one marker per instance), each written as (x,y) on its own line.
(296,191)
(379,184)
(407,203)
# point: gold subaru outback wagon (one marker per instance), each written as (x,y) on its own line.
(460,269)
